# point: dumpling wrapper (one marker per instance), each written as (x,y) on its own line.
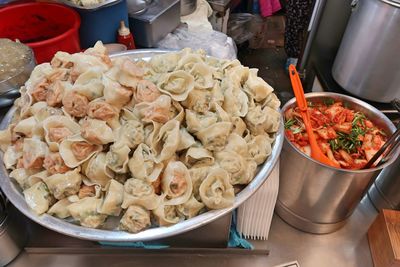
(190,208)
(260,148)
(135,219)
(166,215)
(96,131)
(131,133)
(38,198)
(198,156)
(202,75)
(143,166)
(60,208)
(216,192)
(177,84)
(237,144)
(63,185)
(139,192)
(75,146)
(196,122)
(235,165)
(34,152)
(11,157)
(113,198)
(164,63)
(58,128)
(256,87)
(96,170)
(90,83)
(263,120)
(29,127)
(85,212)
(27,178)
(215,136)
(117,158)
(199,100)
(166,141)
(186,140)
(176,183)
(115,94)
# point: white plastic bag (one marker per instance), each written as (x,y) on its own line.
(215,43)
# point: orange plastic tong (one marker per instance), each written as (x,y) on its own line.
(316,152)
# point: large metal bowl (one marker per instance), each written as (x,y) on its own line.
(14,194)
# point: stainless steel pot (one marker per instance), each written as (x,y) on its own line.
(384,192)
(367,63)
(13,234)
(317,198)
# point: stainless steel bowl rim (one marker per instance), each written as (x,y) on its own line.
(14,195)
(355,101)
(105,3)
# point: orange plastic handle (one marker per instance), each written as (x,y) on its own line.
(297,88)
(316,152)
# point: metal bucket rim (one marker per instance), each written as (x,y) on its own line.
(359,102)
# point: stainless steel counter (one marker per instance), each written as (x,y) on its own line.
(347,247)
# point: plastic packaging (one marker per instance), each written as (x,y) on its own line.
(239,27)
(215,43)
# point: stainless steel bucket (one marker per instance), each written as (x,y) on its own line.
(384,192)
(13,234)
(367,63)
(317,198)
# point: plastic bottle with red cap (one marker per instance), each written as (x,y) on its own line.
(125,36)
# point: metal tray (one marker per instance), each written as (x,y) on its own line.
(15,196)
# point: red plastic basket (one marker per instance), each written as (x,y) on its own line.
(45,27)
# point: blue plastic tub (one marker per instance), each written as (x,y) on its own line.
(102,23)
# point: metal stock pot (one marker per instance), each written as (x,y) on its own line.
(367,63)
(317,198)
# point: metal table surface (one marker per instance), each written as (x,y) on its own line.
(347,247)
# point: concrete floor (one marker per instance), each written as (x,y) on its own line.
(271,65)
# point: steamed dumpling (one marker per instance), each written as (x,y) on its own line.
(135,219)
(143,166)
(177,84)
(38,198)
(139,192)
(256,87)
(85,211)
(75,150)
(216,192)
(176,183)
(97,171)
(263,120)
(215,136)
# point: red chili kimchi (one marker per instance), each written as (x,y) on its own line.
(344,135)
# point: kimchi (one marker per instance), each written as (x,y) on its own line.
(345,136)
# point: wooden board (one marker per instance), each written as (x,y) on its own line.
(384,239)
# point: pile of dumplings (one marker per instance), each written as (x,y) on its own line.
(151,143)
